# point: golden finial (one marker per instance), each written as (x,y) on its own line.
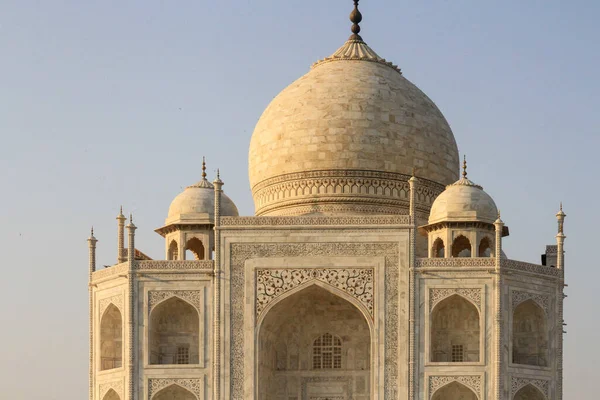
(561,206)
(121,211)
(203,168)
(414,171)
(130,218)
(92,230)
(464,173)
(218,174)
(355,18)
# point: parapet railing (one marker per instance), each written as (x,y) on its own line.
(155,266)
(486,263)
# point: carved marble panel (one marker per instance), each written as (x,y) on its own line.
(156,297)
(117,386)
(473,382)
(272,283)
(116,300)
(517,383)
(194,385)
(519,296)
(436,295)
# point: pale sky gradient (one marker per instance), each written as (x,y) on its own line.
(114,102)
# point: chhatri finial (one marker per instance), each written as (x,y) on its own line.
(92,233)
(121,210)
(130,218)
(464,173)
(218,174)
(355,18)
(561,206)
(203,168)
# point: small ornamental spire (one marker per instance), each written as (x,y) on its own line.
(355,18)
(203,168)
(92,232)
(464,173)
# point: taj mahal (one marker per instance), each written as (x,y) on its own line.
(373,267)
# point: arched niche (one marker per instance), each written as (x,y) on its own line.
(313,334)
(530,335)
(173,253)
(111,339)
(111,395)
(174,333)
(455,331)
(529,392)
(454,391)
(438,250)
(461,247)
(485,247)
(174,392)
(196,247)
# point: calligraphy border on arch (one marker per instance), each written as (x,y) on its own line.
(272,283)
(517,383)
(240,252)
(473,382)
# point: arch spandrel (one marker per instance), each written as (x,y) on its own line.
(157,297)
(273,285)
(472,295)
(529,389)
(439,383)
(193,386)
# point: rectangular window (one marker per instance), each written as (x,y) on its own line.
(183,355)
(457,353)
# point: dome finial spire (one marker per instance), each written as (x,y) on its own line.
(355,18)
(464,173)
(203,168)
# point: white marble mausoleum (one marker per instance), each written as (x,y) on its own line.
(372,269)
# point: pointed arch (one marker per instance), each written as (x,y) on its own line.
(461,247)
(111,338)
(174,392)
(529,334)
(173,253)
(174,333)
(485,247)
(529,392)
(111,395)
(196,246)
(311,331)
(455,334)
(454,391)
(438,250)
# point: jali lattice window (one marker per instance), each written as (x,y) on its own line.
(183,355)
(457,353)
(327,352)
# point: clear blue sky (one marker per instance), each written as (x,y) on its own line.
(114,102)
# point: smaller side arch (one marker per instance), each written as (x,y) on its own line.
(529,392)
(455,331)
(529,334)
(111,338)
(174,392)
(111,395)
(454,391)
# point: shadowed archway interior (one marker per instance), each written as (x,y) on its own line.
(454,391)
(314,344)
(174,392)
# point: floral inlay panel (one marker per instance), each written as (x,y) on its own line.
(272,283)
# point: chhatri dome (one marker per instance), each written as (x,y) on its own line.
(463,201)
(345,138)
(197,203)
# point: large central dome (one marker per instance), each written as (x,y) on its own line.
(345,137)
